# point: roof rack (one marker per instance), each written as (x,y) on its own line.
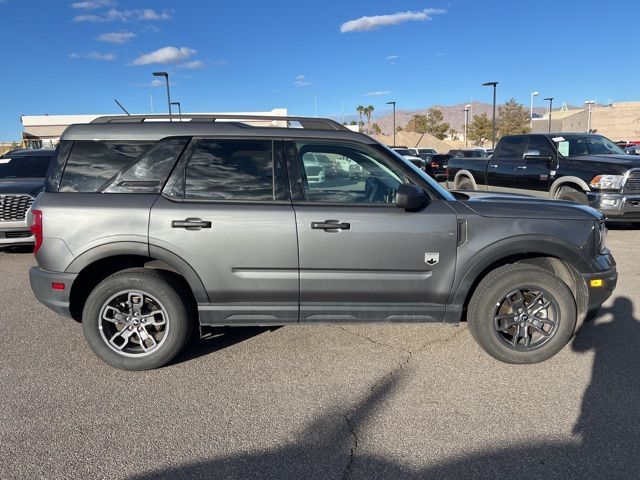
(306,122)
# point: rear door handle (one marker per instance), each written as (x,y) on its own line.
(494,165)
(521,167)
(191,224)
(331,225)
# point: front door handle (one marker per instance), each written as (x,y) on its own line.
(191,224)
(521,167)
(331,226)
(493,165)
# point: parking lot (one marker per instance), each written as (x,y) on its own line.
(320,401)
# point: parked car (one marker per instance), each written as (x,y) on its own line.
(409,155)
(633,150)
(436,166)
(421,152)
(148,230)
(22,174)
(583,168)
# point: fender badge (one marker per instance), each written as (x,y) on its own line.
(431,258)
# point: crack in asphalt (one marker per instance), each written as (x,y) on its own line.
(384,379)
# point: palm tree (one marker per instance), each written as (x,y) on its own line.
(360,110)
(368,111)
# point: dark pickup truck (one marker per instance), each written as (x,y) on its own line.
(583,168)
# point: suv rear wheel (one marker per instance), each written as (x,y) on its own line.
(135,320)
(465,184)
(521,314)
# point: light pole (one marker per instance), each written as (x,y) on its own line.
(466,122)
(589,103)
(394,121)
(179,109)
(494,85)
(550,100)
(166,77)
(533,94)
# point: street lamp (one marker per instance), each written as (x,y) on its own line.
(533,94)
(590,103)
(550,100)
(179,109)
(466,122)
(166,77)
(493,84)
(394,121)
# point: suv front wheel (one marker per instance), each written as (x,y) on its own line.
(521,314)
(135,320)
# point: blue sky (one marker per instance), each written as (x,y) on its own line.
(75,56)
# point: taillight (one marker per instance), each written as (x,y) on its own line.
(36,228)
(434,165)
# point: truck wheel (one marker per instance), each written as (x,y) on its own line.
(465,184)
(573,195)
(521,314)
(135,320)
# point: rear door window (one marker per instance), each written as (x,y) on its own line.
(231,170)
(24,166)
(91,164)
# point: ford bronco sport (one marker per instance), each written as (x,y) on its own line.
(148,230)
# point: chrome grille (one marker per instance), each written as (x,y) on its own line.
(14,207)
(633,182)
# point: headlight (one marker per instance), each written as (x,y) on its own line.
(607,182)
(601,237)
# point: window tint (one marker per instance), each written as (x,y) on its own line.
(150,172)
(231,170)
(541,145)
(24,166)
(512,147)
(354,175)
(92,164)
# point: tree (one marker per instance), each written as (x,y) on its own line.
(360,110)
(353,122)
(376,128)
(368,111)
(480,129)
(514,118)
(453,133)
(430,123)
(398,129)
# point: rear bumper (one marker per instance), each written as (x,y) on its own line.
(616,206)
(41,284)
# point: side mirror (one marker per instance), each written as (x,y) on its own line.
(411,197)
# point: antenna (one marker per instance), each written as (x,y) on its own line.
(120,105)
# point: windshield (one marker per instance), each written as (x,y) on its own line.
(403,151)
(432,183)
(24,167)
(579,145)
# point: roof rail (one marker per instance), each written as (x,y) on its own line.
(305,122)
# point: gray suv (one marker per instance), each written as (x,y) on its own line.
(150,230)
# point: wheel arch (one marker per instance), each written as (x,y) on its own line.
(551,254)
(568,181)
(467,175)
(96,264)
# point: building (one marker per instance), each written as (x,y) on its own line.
(44,131)
(617,121)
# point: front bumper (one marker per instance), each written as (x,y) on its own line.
(616,206)
(597,295)
(15,233)
(41,284)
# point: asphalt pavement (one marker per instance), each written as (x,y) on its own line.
(320,402)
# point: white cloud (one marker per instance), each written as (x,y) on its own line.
(93,4)
(116,37)
(221,63)
(301,81)
(106,57)
(365,24)
(165,55)
(152,84)
(379,93)
(391,58)
(113,15)
(193,64)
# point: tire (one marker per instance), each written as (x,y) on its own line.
(162,319)
(490,309)
(572,195)
(465,184)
